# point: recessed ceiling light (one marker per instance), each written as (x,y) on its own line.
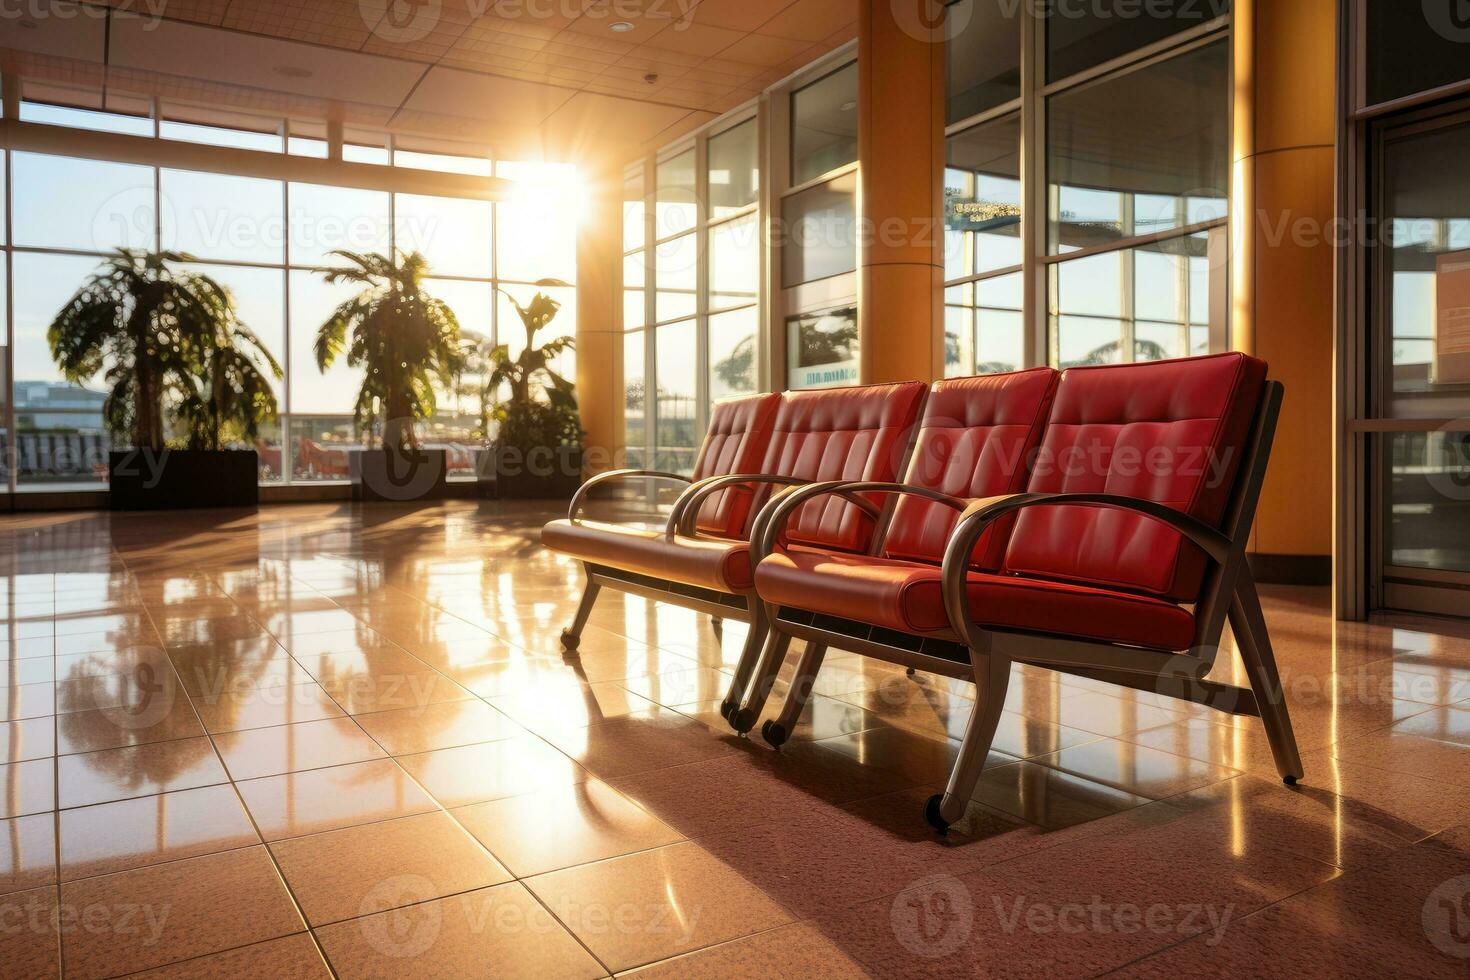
(620,26)
(291,71)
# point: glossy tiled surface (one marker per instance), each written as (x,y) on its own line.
(331,740)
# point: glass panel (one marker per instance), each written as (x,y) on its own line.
(510,329)
(452,233)
(1427,333)
(64,202)
(314,392)
(260,301)
(633,212)
(460,420)
(824,125)
(306,146)
(734,263)
(240,139)
(982,56)
(676,432)
(676,265)
(821,231)
(982,199)
(359,153)
(983,326)
(1080,35)
(822,349)
(1158,295)
(1116,172)
(214,216)
(443,162)
(732,352)
(536,229)
(675,207)
(106,122)
(60,440)
(323,219)
(1428,519)
(634,273)
(635,398)
(319,447)
(734,170)
(1411,49)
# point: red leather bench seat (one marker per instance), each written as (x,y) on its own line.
(831,434)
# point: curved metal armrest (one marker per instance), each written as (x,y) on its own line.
(580,496)
(686,508)
(982,513)
(772,519)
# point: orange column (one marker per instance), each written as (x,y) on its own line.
(1282,269)
(900,190)
(599,337)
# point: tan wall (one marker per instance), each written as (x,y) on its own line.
(900,188)
(599,311)
(1282,271)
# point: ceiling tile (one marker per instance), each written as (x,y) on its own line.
(737,15)
(810,20)
(340,23)
(63,30)
(757,49)
(449,91)
(687,37)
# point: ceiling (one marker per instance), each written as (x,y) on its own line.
(525,77)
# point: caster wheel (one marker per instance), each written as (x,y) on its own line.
(774,734)
(1289,780)
(742,720)
(931,814)
(568,641)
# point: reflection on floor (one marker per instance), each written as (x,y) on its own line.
(334,739)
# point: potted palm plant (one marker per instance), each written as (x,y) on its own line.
(536,451)
(169,340)
(407,344)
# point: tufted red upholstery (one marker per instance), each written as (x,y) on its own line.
(975,440)
(737,439)
(841,434)
(907,596)
(1169,431)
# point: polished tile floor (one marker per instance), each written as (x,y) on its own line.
(326,739)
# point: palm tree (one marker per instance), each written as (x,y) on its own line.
(404,339)
(533,365)
(233,394)
(148,326)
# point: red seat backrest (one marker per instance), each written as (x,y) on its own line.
(976,439)
(841,434)
(738,438)
(1169,431)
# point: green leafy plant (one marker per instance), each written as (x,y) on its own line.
(541,409)
(165,338)
(406,342)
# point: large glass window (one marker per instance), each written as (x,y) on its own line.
(1080,36)
(982,199)
(982,63)
(734,170)
(267,242)
(821,231)
(824,125)
(1414,47)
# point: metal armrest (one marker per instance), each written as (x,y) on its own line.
(773,517)
(580,496)
(686,508)
(982,513)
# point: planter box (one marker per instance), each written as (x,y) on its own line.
(551,473)
(180,479)
(382,474)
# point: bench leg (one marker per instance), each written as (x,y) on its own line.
(1248,624)
(778,730)
(572,635)
(992,676)
(750,655)
(774,654)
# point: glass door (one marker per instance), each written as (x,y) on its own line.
(1420,362)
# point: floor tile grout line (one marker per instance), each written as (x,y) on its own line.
(290,894)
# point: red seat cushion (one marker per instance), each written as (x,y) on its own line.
(975,440)
(738,437)
(1172,432)
(907,596)
(722,564)
(841,434)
